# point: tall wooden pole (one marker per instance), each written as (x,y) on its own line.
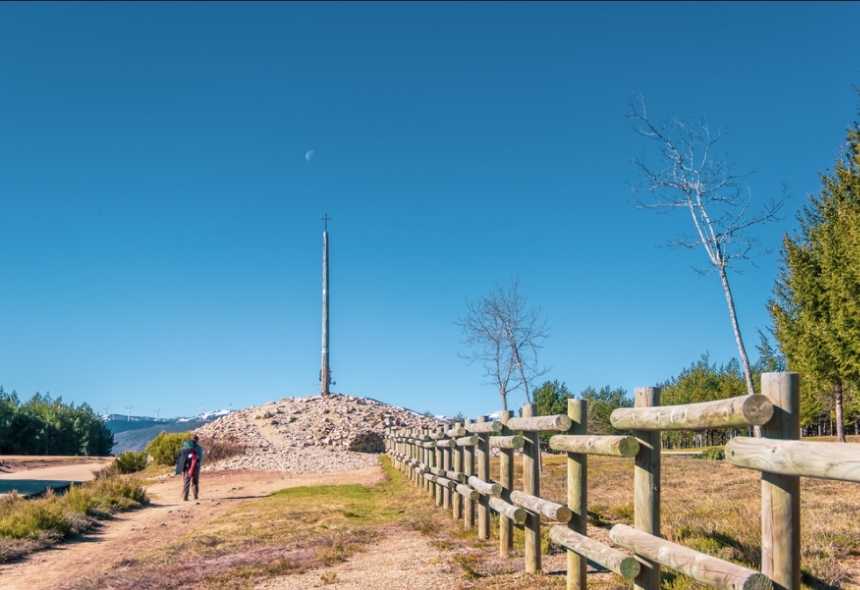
(531,485)
(325,378)
(577,492)
(780,494)
(506,479)
(646,488)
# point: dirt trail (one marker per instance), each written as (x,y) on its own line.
(403,560)
(131,533)
(71,471)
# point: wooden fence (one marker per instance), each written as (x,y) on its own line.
(453,466)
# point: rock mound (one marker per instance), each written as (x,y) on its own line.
(310,434)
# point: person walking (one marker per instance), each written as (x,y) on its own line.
(188,464)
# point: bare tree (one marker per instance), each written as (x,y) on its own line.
(505,335)
(689,176)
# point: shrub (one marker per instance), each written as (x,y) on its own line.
(130,462)
(165,447)
(714,453)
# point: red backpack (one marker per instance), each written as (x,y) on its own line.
(191,462)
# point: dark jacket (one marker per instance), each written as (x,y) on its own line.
(183,458)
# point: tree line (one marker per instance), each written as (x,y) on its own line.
(44,425)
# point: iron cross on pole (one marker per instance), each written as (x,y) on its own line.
(325,219)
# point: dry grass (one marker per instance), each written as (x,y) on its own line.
(707,505)
(27,525)
(287,533)
(714,507)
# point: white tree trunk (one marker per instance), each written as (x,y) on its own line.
(733,317)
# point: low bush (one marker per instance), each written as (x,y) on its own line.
(27,525)
(165,447)
(714,453)
(131,462)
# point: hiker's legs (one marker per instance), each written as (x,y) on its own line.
(186,483)
(196,485)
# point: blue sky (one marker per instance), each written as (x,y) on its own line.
(161,233)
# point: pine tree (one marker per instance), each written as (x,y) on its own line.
(816,305)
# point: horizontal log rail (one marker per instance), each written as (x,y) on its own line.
(515,513)
(702,567)
(445,443)
(467,441)
(839,461)
(558,423)
(456,431)
(467,492)
(623,564)
(551,510)
(592,444)
(746,410)
(457,476)
(485,488)
(446,483)
(489,427)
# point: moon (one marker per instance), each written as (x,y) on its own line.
(309,155)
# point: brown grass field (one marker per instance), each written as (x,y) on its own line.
(311,531)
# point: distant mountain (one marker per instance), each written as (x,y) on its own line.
(138,438)
(133,433)
(120,422)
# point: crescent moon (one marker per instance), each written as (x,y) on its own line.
(309,155)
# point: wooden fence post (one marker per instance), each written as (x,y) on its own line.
(482,458)
(577,492)
(438,453)
(414,453)
(457,457)
(780,494)
(531,485)
(646,488)
(506,479)
(421,455)
(468,469)
(446,465)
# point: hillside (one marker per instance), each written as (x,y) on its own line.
(310,434)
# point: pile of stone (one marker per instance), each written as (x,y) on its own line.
(310,434)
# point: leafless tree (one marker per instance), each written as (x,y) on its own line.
(689,176)
(505,334)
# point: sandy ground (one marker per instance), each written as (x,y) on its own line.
(131,533)
(57,469)
(403,560)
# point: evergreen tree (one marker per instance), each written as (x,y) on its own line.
(816,304)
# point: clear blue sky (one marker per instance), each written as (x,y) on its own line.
(160,222)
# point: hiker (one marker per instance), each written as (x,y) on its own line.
(188,464)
